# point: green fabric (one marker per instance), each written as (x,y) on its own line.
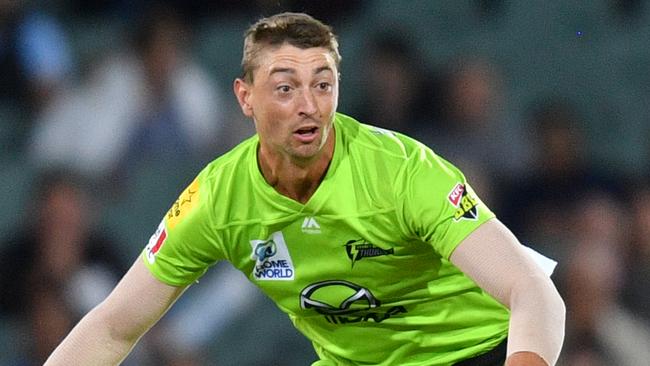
(362,268)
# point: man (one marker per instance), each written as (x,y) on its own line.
(376,248)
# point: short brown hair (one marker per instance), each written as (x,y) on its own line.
(297,29)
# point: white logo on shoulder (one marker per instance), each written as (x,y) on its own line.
(310,226)
(272,259)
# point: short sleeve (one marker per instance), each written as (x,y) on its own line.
(185,244)
(437,205)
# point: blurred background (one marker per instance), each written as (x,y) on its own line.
(109,108)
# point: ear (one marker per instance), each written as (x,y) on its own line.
(242,92)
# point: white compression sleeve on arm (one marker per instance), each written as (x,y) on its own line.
(500,265)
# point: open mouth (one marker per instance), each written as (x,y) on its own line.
(306,135)
(306,131)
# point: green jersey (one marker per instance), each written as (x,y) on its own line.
(362,269)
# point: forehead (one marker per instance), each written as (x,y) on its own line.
(293,58)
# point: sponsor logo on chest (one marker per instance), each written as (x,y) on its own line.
(272,259)
(343,302)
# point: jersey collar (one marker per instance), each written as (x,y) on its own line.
(317,200)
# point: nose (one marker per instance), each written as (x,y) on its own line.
(308,105)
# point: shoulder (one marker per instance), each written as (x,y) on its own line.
(234,162)
(213,194)
(218,181)
(380,140)
(368,142)
(391,164)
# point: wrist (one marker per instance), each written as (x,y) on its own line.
(525,359)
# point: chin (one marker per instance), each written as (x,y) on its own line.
(305,152)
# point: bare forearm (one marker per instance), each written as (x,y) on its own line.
(91,343)
(108,333)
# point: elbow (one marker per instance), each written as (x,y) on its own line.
(546,303)
(538,289)
(538,316)
(557,321)
(561,307)
(114,324)
(555,303)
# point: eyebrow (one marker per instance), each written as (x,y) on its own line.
(322,69)
(276,70)
(289,70)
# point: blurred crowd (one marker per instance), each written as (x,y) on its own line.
(108,109)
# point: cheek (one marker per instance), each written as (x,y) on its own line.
(328,105)
(334,98)
(268,121)
(270,108)
(268,115)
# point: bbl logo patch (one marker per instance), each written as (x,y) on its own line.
(272,259)
(359,249)
(187,200)
(464,202)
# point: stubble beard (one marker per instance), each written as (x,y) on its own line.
(307,153)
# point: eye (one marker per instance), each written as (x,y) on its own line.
(324,86)
(283,88)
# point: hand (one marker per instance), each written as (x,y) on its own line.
(525,359)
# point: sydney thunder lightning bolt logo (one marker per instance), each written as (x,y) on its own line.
(359,249)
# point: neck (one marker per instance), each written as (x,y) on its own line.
(297,180)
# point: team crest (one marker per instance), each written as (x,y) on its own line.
(359,249)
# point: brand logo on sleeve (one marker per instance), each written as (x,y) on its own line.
(184,204)
(464,202)
(156,242)
(272,259)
